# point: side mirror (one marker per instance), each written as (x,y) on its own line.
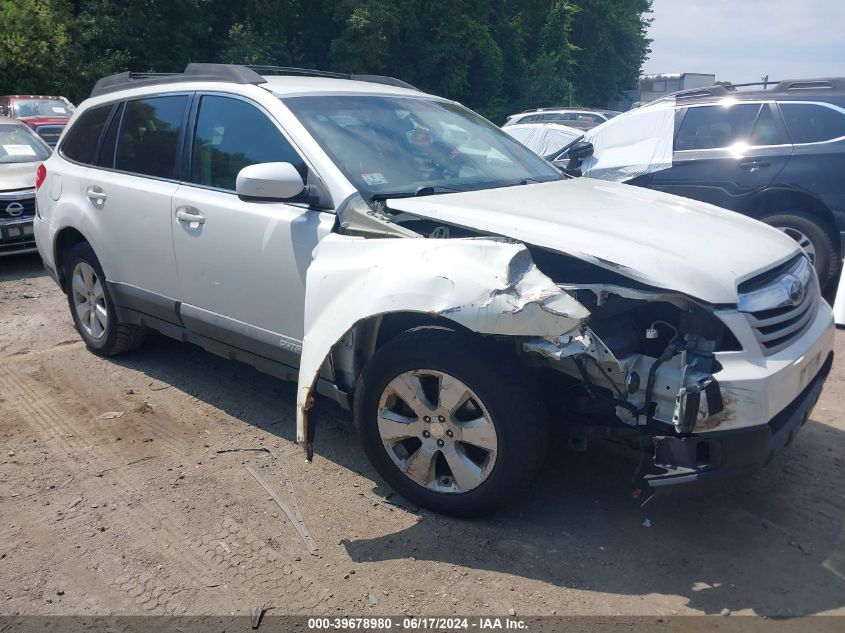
(269,181)
(579,151)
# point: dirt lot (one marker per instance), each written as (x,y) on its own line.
(141,514)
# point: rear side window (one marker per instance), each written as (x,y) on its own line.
(811,123)
(80,145)
(149,136)
(710,127)
(232,134)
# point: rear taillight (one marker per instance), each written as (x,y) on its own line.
(40,176)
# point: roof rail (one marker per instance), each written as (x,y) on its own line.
(564,107)
(810,84)
(231,73)
(310,72)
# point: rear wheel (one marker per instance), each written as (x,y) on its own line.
(92,308)
(449,423)
(813,237)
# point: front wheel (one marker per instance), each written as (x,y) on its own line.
(450,424)
(813,237)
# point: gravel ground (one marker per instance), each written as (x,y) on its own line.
(140,513)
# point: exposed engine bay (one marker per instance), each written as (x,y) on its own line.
(646,353)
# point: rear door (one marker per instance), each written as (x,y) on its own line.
(818,161)
(724,152)
(129,191)
(242,264)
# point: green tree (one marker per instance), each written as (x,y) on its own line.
(612,46)
(496,56)
(37,50)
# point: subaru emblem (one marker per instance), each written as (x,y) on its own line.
(796,292)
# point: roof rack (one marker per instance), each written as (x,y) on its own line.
(231,73)
(310,72)
(790,85)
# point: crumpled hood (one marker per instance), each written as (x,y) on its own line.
(15,176)
(655,238)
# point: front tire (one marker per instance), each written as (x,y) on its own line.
(449,423)
(92,308)
(813,237)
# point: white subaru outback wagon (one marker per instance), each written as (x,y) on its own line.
(401,255)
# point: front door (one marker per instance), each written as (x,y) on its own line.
(242,264)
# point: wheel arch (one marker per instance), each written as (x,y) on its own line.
(356,348)
(777,199)
(65,239)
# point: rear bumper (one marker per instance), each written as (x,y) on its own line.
(709,458)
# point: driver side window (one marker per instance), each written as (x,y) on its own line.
(232,134)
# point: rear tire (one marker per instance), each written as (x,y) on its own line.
(92,308)
(813,236)
(487,421)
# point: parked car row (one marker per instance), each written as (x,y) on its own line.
(399,254)
(776,155)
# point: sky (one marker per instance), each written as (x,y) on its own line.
(742,40)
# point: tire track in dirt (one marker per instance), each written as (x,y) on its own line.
(252,572)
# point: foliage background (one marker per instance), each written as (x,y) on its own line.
(496,56)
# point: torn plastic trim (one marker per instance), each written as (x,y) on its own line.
(356,217)
(604,291)
(489,286)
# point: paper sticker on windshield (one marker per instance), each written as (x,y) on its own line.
(374,179)
(19,150)
(59,110)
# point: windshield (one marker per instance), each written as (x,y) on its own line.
(40,107)
(394,146)
(19,145)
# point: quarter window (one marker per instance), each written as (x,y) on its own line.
(766,130)
(232,134)
(812,123)
(149,136)
(82,139)
(106,156)
(709,127)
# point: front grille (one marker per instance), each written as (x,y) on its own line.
(15,206)
(777,310)
(50,133)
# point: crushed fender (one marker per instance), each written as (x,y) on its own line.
(490,286)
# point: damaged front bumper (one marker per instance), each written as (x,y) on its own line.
(709,458)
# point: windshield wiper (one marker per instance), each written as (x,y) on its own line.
(425,190)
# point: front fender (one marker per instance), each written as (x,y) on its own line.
(490,286)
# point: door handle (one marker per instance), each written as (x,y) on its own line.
(189,214)
(96,194)
(752,165)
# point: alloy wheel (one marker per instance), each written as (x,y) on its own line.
(803,241)
(89,300)
(437,431)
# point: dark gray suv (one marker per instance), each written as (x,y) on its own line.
(777,155)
